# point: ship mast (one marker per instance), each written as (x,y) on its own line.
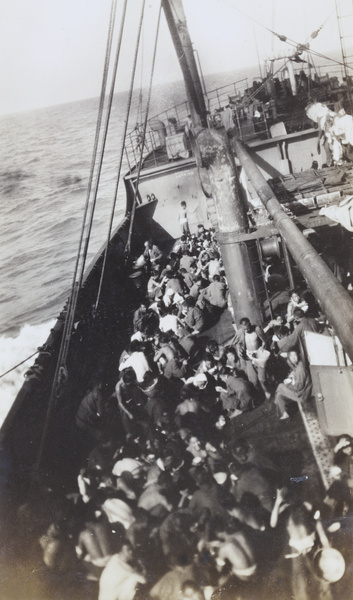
(175,16)
(346,45)
(214,155)
(215,159)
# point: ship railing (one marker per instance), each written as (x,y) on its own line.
(330,71)
(326,75)
(158,145)
(163,126)
(160,129)
(220,97)
(252,120)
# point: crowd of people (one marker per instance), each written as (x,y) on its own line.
(170,504)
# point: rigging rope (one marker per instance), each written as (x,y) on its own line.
(72,303)
(61,362)
(126,121)
(310,51)
(105,134)
(299,47)
(140,108)
(19,364)
(291,42)
(283,38)
(128,243)
(75,286)
(263,84)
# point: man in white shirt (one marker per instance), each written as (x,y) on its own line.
(119,579)
(137,360)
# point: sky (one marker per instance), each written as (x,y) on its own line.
(52,51)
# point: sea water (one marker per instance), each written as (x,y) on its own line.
(45,158)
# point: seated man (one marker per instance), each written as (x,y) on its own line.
(208,364)
(168,321)
(196,288)
(254,488)
(154,496)
(192,316)
(216,294)
(187,261)
(188,276)
(237,551)
(217,351)
(215,266)
(173,368)
(152,254)
(297,337)
(135,359)
(295,302)
(58,552)
(176,538)
(139,314)
(96,544)
(296,388)
(154,286)
(91,416)
(240,395)
(175,283)
(207,496)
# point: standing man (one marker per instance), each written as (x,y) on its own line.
(248,339)
(183,219)
(296,388)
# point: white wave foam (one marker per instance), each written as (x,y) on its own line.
(13,350)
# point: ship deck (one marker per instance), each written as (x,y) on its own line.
(297,448)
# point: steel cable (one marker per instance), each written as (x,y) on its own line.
(127,114)
(61,362)
(104,140)
(19,364)
(128,243)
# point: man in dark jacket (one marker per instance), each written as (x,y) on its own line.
(240,395)
(193,318)
(296,388)
(139,314)
(297,337)
(216,293)
(90,416)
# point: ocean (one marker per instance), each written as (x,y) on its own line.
(45,157)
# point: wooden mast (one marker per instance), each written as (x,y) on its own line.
(175,16)
(214,157)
